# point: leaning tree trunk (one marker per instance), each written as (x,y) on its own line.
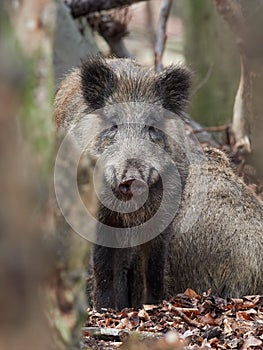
(44,267)
(67,290)
(245,20)
(211,53)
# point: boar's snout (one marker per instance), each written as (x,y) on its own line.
(132,187)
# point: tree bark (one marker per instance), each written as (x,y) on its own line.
(70,46)
(44,267)
(245,20)
(24,263)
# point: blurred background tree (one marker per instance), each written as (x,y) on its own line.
(210,50)
(245,20)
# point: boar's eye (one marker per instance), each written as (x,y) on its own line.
(112,130)
(114,127)
(156,135)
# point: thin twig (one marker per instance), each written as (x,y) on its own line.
(84,7)
(202,136)
(188,310)
(183,316)
(212,129)
(205,80)
(161,34)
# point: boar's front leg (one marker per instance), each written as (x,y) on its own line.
(156,269)
(111,277)
(103,263)
(122,266)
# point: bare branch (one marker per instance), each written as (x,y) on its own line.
(83,7)
(149,21)
(180,313)
(161,34)
(219,128)
(117,334)
(204,80)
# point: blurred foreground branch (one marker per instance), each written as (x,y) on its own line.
(24,263)
(42,267)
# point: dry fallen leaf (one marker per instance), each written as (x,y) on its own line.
(251,341)
(144,315)
(222,323)
(191,293)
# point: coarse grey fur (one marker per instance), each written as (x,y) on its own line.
(223,250)
(220,249)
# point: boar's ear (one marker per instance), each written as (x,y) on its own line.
(173,87)
(98,81)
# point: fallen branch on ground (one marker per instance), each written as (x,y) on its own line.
(117,334)
(183,316)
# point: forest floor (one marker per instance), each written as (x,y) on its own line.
(189,321)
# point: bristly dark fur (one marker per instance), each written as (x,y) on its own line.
(98,82)
(107,82)
(173,87)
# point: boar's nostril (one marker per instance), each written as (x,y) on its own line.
(133,187)
(125,187)
(138,187)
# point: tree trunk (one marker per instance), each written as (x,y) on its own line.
(43,268)
(211,53)
(24,263)
(67,290)
(245,20)
(70,46)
